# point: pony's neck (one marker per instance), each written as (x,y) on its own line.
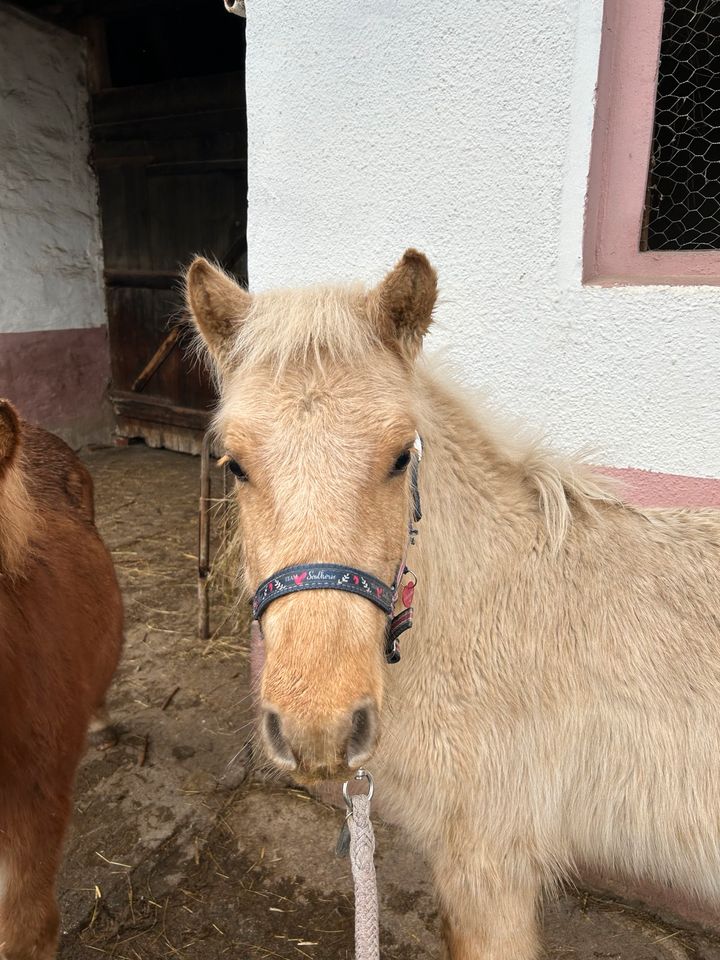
(470,489)
(491,493)
(17,521)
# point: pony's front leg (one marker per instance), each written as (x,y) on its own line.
(489,911)
(29,917)
(30,855)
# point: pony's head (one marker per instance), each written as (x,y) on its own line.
(317,418)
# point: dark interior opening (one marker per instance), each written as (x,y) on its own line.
(148,46)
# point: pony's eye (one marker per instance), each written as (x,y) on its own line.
(401,464)
(237,470)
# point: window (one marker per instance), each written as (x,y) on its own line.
(683,200)
(653,210)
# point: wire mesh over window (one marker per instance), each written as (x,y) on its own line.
(683,198)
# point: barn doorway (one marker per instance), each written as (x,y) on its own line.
(169,146)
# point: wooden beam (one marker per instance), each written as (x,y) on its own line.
(175,126)
(146,279)
(104,8)
(185,168)
(157,410)
(157,359)
(69,11)
(220,91)
(93,29)
(130,160)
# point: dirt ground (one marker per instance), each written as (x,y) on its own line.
(173,855)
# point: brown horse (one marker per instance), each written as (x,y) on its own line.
(558,699)
(60,640)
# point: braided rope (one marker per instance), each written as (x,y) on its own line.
(362,850)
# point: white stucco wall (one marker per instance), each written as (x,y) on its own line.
(50,248)
(464,129)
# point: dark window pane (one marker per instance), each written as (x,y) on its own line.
(683,197)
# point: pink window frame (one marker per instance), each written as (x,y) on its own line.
(620,156)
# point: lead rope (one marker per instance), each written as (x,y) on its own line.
(357,838)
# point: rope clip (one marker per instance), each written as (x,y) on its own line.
(360,775)
(342,848)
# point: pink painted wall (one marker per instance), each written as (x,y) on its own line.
(644,488)
(58,378)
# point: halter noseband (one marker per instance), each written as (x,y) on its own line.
(334,576)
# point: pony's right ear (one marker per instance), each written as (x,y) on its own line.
(9,434)
(218,305)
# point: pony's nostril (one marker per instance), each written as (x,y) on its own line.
(278,748)
(363,734)
(360,724)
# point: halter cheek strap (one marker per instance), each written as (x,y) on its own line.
(333,576)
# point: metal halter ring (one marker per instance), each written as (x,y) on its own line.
(360,775)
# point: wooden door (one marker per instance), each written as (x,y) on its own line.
(172,171)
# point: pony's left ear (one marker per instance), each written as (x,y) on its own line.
(218,305)
(405,299)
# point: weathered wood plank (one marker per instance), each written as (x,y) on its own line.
(196,167)
(147,279)
(157,410)
(172,126)
(167,97)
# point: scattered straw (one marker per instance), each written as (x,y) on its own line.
(113,863)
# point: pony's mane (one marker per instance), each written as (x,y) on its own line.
(17,521)
(313,325)
(564,483)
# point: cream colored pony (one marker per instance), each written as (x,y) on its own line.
(558,700)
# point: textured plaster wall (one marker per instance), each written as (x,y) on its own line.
(464,129)
(50,249)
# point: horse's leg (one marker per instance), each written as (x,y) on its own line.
(29,862)
(489,912)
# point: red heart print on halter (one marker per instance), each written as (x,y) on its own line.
(407,594)
(300,577)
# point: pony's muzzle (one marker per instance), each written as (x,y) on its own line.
(320,750)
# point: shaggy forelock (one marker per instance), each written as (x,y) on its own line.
(313,325)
